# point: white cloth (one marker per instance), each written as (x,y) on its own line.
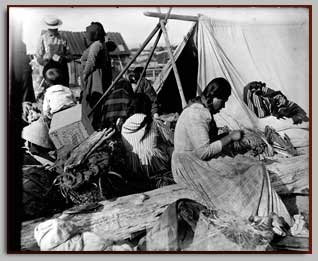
(60,235)
(56,98)
(267,45)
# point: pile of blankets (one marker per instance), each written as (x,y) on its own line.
(264,102)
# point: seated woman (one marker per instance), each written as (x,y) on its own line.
(240,185)
(141,139)
(57,97)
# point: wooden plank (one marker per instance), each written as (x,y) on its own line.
(290,175)
(173,16)
(119,218)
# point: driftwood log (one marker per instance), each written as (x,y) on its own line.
(119,218)
(290,175)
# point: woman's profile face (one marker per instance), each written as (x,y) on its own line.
(218,104)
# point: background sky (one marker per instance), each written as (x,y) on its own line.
(130,21)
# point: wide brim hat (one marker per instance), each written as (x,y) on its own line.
(38,133)
(52,22)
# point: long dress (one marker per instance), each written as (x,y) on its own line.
(239,186)
(96,65)
(145,157)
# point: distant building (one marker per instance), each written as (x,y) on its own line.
(157,62)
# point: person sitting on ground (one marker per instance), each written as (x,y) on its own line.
(57,97)
(240,185)
(114,109)
(146,155)
(144,87)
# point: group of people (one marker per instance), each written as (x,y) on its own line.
(238,185)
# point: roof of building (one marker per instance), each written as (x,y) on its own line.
(77,42)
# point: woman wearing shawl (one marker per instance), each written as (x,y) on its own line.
(96,66)
(240,185)
(141,139)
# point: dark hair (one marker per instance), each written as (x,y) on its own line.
(95,31)
(53,76)
(50,65)
(217,88)
(141,104)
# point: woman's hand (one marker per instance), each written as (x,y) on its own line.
(235,135)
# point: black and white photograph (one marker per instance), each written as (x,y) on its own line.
(154,129)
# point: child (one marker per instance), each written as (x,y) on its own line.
(57,97)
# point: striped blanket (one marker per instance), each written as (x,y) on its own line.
(116,104)
(264,102)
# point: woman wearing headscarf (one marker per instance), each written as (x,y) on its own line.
(96,69)
(240,185)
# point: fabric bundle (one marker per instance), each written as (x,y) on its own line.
(264,102)
(90,168)
(280,143)
(31,112)
(60,235)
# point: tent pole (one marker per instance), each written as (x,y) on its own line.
(154,31)
(149,58)
(172,16)
(174,66)
(153,49)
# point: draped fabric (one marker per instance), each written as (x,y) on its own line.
(239,186)
(272,49)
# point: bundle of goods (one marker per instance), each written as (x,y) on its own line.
(280,145)
(264,101)
(230,233)
(252,141)
(170,120)
(163,179)
(166,133)
(265,143)
(93,168)
(31,112)
(39,197)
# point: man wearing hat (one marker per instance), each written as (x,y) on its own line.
(52,46)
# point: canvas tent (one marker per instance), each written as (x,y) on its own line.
(243,45)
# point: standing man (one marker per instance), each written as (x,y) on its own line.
(52,46)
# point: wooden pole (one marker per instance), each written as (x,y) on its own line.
(174,66)
(154,31)
(153,50)
(149,58)
(172,16)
